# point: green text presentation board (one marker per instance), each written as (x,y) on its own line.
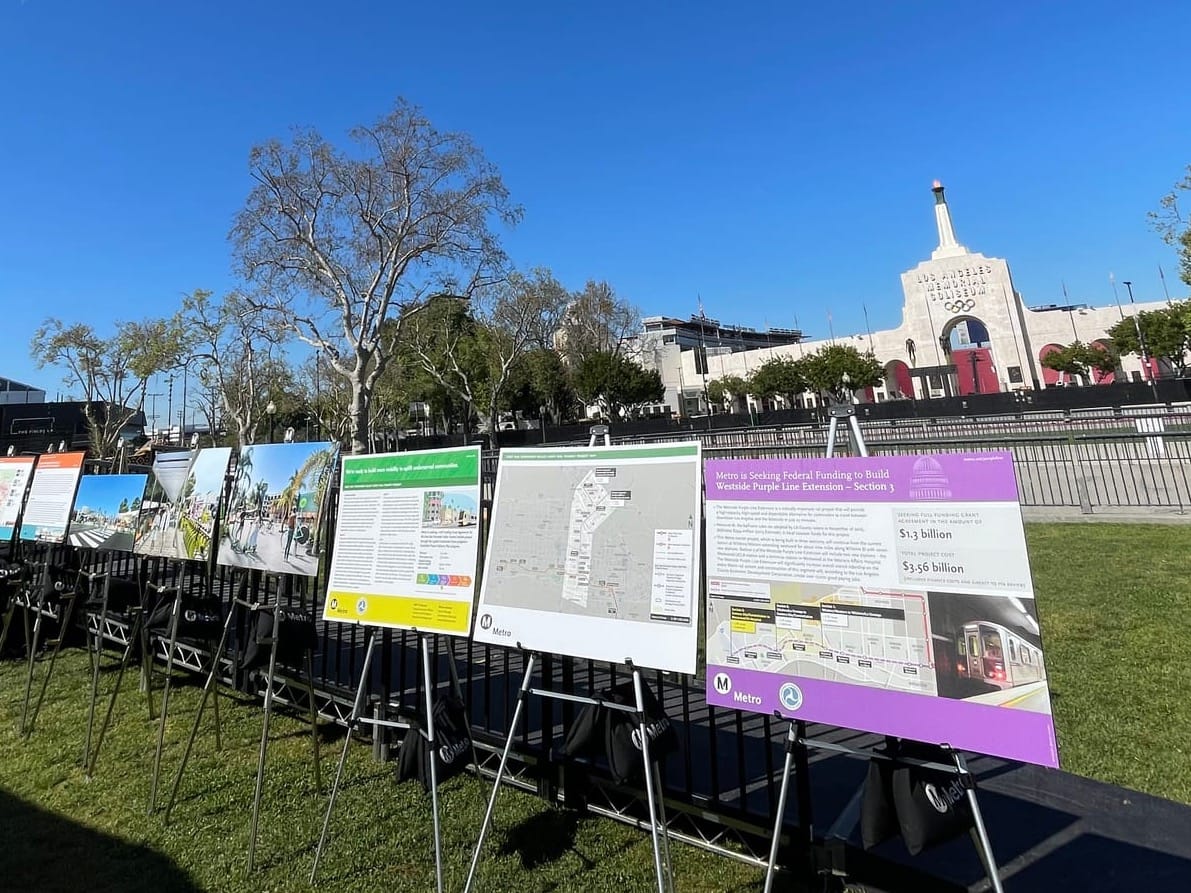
(407,541)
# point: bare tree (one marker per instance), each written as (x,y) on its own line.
(113,372)
(239,344)
(341,241)
(596,320)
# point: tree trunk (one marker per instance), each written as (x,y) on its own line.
(359,419)
(493,424)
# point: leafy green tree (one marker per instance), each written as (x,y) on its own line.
(136,504)
(1166,332)
(123,506)
(778,376)
(1174,226)
(615,384)
(471,348)
(340,241)
(1103,359)
(1070,360)
(724,391)
(839,370)
(113,373)
(540,381)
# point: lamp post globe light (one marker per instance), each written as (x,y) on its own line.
(271,411)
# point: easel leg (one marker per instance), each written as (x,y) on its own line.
(64,625)
(103,727)
(779,817)
(984,847)
(97,648)
(260,761)
(8,615)
(32,657)
(458,687)
(431,746)
(207,688)
(500,771)
(165,698)
(318,776)
(662,870)
(357,711)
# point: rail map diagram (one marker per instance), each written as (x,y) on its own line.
(845,634)
(595,549)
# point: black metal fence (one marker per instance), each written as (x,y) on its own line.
(721,787)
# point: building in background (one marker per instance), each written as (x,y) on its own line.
(684,353)
(15,392)
(965,330)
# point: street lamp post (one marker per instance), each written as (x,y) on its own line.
(270,411)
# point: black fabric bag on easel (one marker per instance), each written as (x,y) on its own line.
(932,806)
(298,635)
(925,807)
(622,732)
(453,744)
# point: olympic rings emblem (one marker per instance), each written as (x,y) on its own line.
(959,306)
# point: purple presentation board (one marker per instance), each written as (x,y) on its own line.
(890,594)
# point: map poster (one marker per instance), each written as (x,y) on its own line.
(106,510)
(15,474)
(51,494)
(890,594)
(275,520)
(594,552)
(178,510)
(407,541)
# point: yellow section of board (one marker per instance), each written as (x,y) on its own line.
(743,626)
(425,614)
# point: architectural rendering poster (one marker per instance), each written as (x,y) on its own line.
(15,474)
(594,552)
(890,594)
(51,494)
(180,504)
(275,517)
(106,510)
(407,540)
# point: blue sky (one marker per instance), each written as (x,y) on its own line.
(104,492)
(276,463)
(774,158)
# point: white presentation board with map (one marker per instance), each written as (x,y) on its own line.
(594,552)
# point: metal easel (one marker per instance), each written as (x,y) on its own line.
(797,742)
(653,784)
(136,632)
(428,732)
(41,609)
(253,607)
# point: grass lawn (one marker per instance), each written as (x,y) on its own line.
(62,832)
(1113,601)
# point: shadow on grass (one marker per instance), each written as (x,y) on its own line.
(46,853)
(544,837)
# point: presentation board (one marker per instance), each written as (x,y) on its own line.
(180,504)
(407,541)
(890,594)
(106,511)
(15,474)
(594,552)
(51,495)
(274,520)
